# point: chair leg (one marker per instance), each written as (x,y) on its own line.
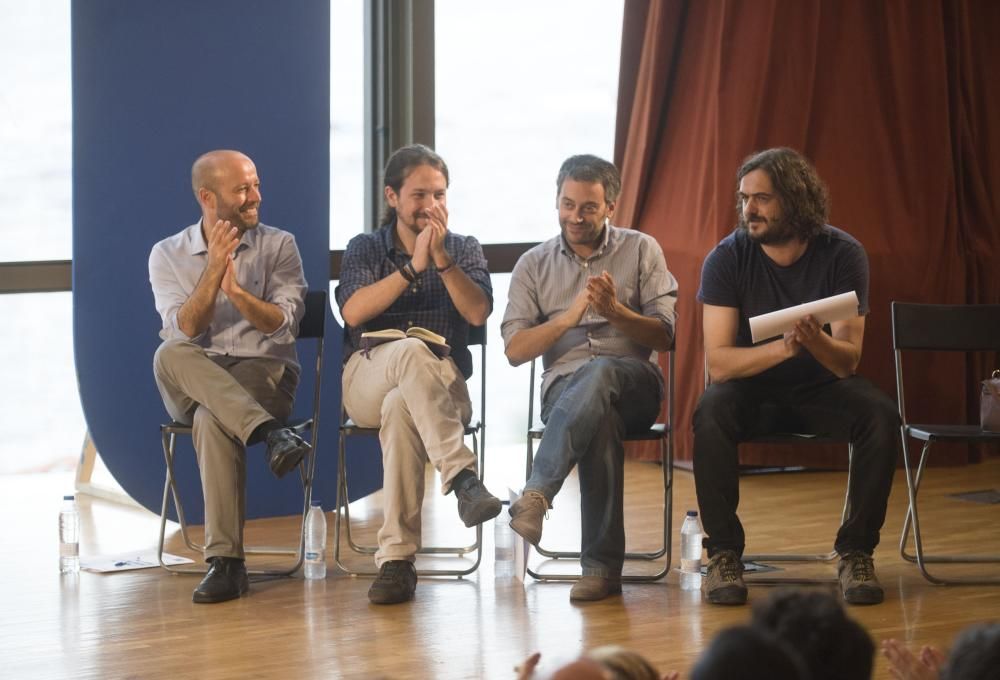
(666,457)
(306,472)
(342,528)
(912,516)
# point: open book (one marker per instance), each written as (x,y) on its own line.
(437,343)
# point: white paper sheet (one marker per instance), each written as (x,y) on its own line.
(143,559)
(834,308)
(520,545)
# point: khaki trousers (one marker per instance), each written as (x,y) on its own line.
(224,399)
(421,405)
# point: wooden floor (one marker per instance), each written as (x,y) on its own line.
(142,624)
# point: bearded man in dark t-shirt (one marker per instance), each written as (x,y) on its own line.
(781,254)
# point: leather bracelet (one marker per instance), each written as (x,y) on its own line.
(407,272)
(451,265)
(412,271)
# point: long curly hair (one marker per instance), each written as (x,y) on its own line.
(804,199)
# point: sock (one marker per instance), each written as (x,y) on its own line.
(459,480)
(261,431)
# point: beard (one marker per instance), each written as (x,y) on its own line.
(238,215)
(777,231)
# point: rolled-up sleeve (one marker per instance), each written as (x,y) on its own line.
(168,294)
(286,288)
(472,261)
(658,287)
(522,302)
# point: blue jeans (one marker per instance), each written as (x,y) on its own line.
(587,415)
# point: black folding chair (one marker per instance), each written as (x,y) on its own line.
(475,429)
(953,328)
(663,434)
(311,327)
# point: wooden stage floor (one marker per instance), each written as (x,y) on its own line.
(142,624)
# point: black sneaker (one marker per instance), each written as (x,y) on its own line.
(285,450)
(396,582)
(723,582)
(226,580)
(475,503)
(858,582)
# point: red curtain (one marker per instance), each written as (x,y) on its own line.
(897,105)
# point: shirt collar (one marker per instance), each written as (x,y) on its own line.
(609,238)
(387,233)
(195,239)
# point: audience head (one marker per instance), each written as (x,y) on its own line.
(622,664)
(745,653)
(815,625)
(799,204)
(975,654)
(399,166)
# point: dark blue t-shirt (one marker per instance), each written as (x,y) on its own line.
(737,273)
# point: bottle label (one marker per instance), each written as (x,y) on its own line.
(69,550)
(691,566)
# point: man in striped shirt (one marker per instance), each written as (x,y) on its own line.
(594,302)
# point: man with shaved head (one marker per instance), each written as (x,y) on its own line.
(231,293)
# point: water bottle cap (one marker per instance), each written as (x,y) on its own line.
(69,498)
(316,504)
(692,513)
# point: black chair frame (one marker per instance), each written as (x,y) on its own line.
(475,429)
(663,433)
(313,327)
(952,328)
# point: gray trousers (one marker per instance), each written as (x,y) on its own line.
(224,399)
(421,405)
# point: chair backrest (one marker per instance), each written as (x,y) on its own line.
(313,324)
(954,328)
(945,327)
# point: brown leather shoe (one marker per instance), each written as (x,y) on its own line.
(723,584)
(593,588)
(858,582)
(526,516)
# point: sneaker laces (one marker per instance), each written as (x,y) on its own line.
(729,568)
(862,566)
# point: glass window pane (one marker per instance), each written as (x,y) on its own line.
(520,86)
(346,129)
(36,110)
(42,426)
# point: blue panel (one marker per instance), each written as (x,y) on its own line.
(155,84)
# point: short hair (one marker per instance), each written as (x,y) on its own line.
(401,164)
(623,664)
(205,169)
(745,653)
(975,653)
(803,196)
(587,168)
(815,624)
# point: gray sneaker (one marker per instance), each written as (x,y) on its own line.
(526,516)
(858,582)
(724,582)
(475,503)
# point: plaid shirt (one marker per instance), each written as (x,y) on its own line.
(369,258)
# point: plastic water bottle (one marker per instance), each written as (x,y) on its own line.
(691,552)
(503,546)
(69,536)
(315,563)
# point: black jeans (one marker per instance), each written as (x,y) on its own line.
(851,408)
